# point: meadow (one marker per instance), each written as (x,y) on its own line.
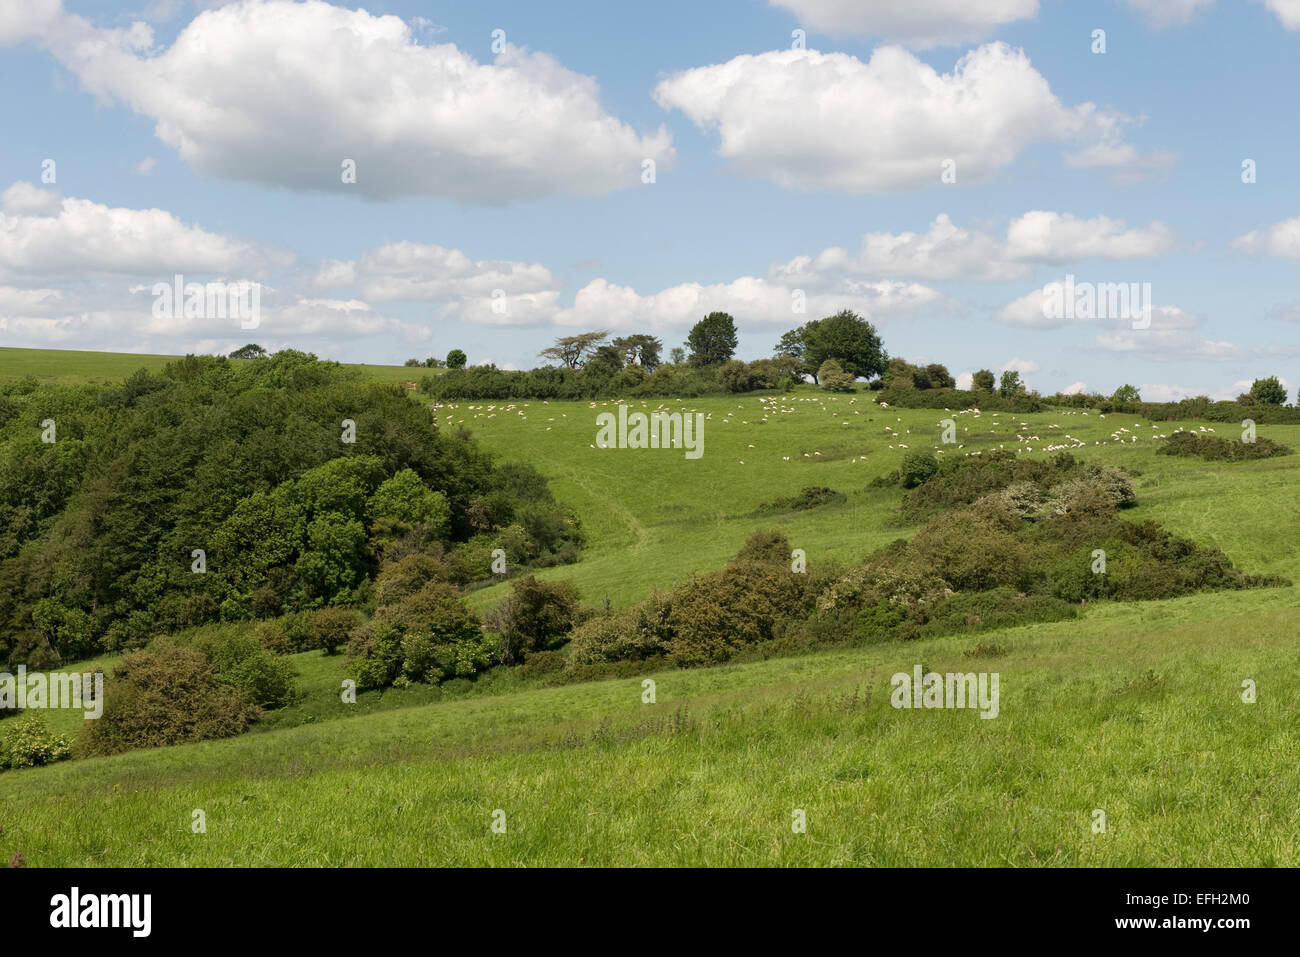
(1134,709)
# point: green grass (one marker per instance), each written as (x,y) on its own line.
(1186,773)
(1134,709)
(69,367)
(655,517)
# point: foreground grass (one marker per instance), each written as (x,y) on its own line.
(1146,724)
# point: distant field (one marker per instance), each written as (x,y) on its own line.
(654,517)
(70,367)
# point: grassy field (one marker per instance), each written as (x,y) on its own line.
(68,367)
(1133,709)
(654,517)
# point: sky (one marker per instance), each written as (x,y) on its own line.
(406,178)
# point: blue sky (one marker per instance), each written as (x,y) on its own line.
(207,140)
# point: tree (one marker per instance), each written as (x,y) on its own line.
(939,376)
(845,337)
(411,362)
(432,363)
(456,359)
(712,341)
(833,378)
(983,380)
(535,617)
(573,351)
(1268,391)
(1126,394)
(678,355)
(608,359)
(641,349)
(1011,384)
(250,351)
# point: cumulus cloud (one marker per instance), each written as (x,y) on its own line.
(806,119)
(1280,239)
(1048,237)
(415,271)
(918,23)
(284,94)
(27,19)
(1077,388)
(611,306)
(948,251)
(42,233)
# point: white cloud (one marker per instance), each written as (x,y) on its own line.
(1077,388)
(325,326)
(14,300)
(1048,237)
(828,120)
(1123,163)
(1167,343)
(415,271)
(145,166)
(1023,366)
(944,251)
(41,234)
(602,304)
(965,381)
(919,23)
(26,199)
(1164,13)
(1288,11)
(1040,309)
(1285,311)
(334,272)
(1280,239)
(26,19)
(282,94)
(947,251)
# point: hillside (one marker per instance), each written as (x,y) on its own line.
(1133,708)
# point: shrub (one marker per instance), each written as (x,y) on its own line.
(1215,449)
(765,545)
(166,694)
(240,660)
(917,467)
(641,633)
(811,496)
(718,614)
(833,378)
(535,617)
(428,636)
(26,744)
(330,628)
